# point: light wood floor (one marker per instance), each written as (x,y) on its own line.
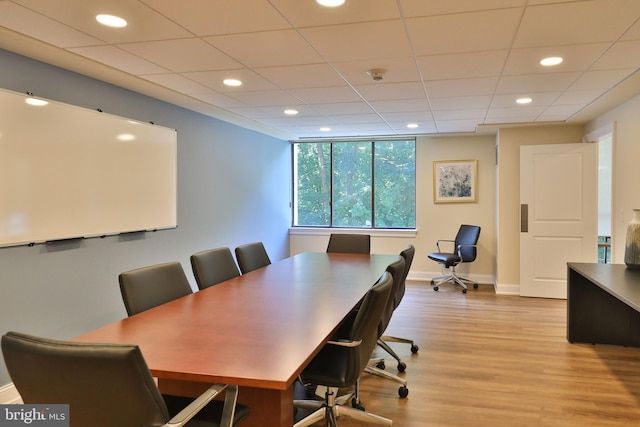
(489,360)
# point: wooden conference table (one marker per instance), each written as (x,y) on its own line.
(258,330)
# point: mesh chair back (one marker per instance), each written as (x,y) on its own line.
(349,243)
(148,287)
(251,257)
(213,266)
(467,235)
(105,385)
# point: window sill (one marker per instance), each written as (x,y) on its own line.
(373,232)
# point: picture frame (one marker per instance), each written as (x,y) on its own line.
(455,181)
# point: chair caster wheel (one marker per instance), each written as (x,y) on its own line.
(357,405)
(402,366)
(414,348)
(435,288)
(381,365)
(475,286)
(433,283)
(403,392)
(464,291)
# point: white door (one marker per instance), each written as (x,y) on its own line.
(558,214)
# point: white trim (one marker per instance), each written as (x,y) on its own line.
(9,395)
(507,289)
(374,232)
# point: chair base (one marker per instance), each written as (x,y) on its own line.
(373,369)
(333,408)
(390,338)
(455,279)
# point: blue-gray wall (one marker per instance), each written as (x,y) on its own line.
(234,187)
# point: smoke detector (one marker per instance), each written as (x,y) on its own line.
(377,74)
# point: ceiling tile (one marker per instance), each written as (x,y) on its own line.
(529,84)
(182,55)
(310,14)
(39,26)
(325,94)
(461,87)
(214,17)
(575,58)
(143,22)
(178,83)
(119,59)
(251,81)
(267,49)
(623,54)
(302,76)
(360,41)
(391,91)
(412,8)
(576,22)
(462,65)
(464,32)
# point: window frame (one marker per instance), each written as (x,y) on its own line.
(372,230)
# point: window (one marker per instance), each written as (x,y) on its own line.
(355,184)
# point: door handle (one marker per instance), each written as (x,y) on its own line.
(524,218)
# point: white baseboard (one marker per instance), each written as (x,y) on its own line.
(9,395)
(507,289)
(426,276)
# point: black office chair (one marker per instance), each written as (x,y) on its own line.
(349,243)
(107,385)
(408,255)
(252,256)
(213,266)
(375,366)
(341,361)
(463,249)
(147,287)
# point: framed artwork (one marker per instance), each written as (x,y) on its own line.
(454,181)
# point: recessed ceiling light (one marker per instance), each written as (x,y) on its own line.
(524,100)
(330,3)
(36,102)
(552,60)
(111,21)
(291,112)
(232,82)
(126,137)
(412,125)
(325,129)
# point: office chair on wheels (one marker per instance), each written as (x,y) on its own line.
(107,385)
(464,249)
(349,243)
(147,287)
(252,256)
(341,361)
(407,254)
(213,266)
(396,270)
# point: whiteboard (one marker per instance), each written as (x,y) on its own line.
(69,172)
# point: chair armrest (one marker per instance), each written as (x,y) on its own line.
(345,343)
(201,401)
(443,240)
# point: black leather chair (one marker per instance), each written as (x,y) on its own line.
(408,255)
(375,366)
(252,256)
(213,266)
(147,287)
(341,361)
(107,385)
(349,243)
(463,249)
